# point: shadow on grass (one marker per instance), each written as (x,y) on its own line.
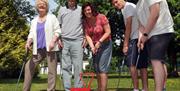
(124,76)
(116,76)
(44,79)
(109,89)
(14,81)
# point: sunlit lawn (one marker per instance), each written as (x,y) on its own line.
(40,84)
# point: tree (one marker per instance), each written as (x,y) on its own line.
(173,49)
(13,33)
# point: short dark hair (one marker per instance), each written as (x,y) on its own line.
(66,3)
(94,12)
(110,1)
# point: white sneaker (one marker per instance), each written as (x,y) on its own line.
(135,90)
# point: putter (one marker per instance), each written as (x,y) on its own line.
(24,62)
(91,65)
(120,70)
(137,58)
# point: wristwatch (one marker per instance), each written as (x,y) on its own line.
(145,34)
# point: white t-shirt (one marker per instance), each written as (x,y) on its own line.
(164,23)
(130,10)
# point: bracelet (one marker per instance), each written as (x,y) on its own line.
(100,42)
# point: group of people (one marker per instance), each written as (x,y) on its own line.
(149,28)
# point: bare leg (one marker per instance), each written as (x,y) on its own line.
(99,81)
(159,74)
(103,81)
(134,76)
(144,78)
(165,77)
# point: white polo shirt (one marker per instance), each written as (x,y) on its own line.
(164,23)
(129,10)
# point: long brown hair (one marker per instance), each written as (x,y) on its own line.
(94,12)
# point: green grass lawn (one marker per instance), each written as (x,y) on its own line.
(40,83)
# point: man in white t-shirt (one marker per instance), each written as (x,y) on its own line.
(130,48)
(156,26)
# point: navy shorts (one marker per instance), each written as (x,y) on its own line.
(157,46)
(132,55)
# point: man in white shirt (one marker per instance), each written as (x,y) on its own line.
(130,48)
(156,26)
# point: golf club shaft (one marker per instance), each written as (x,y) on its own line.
(120,70)
(24,62)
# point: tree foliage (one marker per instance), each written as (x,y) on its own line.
(174,6)
(13,34)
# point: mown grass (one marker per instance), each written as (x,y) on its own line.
(40,83)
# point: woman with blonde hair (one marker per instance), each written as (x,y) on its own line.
(43,34)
